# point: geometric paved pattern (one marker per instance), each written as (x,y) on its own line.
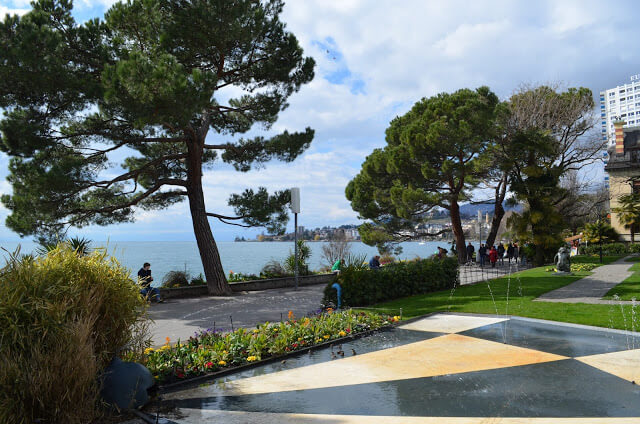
(442,369)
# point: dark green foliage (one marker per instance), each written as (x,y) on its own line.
(175,278)
(366,287)
(600,232)
(199,280)
(152,81)
(273,269)
(304,253)
(433,159)
(610,249)
(542,139)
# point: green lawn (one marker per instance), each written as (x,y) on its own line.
(520,290)
(629,288)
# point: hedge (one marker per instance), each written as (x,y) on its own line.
(610,249)
(365,287)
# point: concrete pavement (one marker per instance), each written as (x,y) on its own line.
(591,289)
(181,318)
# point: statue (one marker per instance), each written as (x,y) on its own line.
(562,260)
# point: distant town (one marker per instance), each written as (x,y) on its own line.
(437,222)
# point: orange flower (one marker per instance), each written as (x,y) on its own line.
(168,340)
(290,315)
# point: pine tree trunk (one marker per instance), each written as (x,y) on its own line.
(216,280)
(498,211)
(456,224)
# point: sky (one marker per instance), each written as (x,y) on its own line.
(375,59)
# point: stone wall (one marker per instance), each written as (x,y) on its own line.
(253,285)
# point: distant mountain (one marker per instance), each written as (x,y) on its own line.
(470,211)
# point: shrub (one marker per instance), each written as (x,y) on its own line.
(63,317)
(273,269)
(366,287)
(236,277)
(176,279)
(198,281)
(337,248)
(304,253)
(609,249)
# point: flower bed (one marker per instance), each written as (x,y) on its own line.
(210,351)
(576,267)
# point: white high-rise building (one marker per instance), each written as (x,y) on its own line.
(620,103)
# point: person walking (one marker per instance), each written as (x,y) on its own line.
(500,253)
(145,279)
(510,252)
(493,256)
(470,251)
(482,253)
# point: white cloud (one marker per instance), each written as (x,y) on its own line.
(400,52)
(4,10)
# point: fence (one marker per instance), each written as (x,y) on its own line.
(473,273)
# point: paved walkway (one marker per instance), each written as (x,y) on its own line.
(181,318)
(591,289)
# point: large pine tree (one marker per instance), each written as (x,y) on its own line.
(155,82)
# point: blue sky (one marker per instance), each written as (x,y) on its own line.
(374,61)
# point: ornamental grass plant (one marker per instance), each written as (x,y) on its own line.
(212,351)
(63,317)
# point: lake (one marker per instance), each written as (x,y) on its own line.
(243,257)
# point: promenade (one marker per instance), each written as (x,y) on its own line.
(181,318)
(591,289)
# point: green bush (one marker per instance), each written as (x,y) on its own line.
(366,287)
(610,249)
(199,280)
(63,317)
(175,279)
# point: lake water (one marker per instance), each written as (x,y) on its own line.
(244,257)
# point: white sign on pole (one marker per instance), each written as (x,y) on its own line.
(295,200)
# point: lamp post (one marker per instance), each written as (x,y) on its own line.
(295,208)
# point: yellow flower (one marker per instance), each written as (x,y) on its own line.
(396,318)
(299,339)
(255,330)
(326,336)
(252,358)
(165,347)
(222,363)
(342,334)
(148,350)
(224,352)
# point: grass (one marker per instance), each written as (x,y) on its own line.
(633,259)
(630,288)
(514,296)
